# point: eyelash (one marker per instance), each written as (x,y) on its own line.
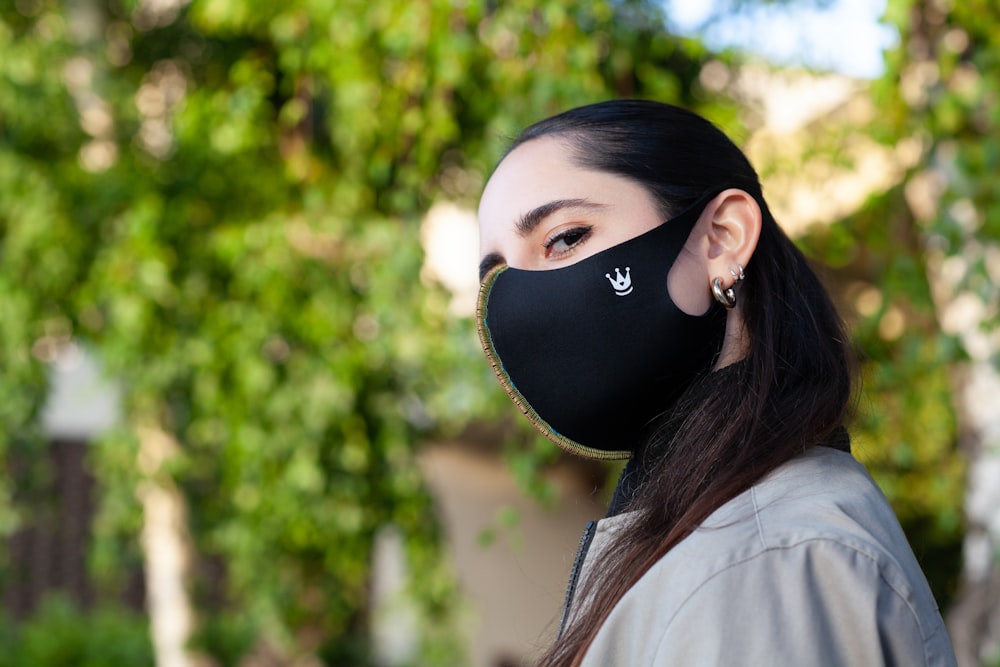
(582,232)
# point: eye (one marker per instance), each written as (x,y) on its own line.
(565,241)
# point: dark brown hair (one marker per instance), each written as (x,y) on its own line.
(791,392)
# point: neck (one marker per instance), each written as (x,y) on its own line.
(735,343)
(644,459)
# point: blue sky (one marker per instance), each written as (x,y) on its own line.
(845,37)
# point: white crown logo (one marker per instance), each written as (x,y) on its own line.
(621,284)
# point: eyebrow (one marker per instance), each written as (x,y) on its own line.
(530,220)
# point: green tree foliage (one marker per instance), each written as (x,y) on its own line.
(943,86)
(916,251)
(221,201)
(60,634)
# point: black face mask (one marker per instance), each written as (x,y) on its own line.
(595,351)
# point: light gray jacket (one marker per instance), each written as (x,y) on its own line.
(808,568)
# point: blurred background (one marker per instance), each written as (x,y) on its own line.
(245,420)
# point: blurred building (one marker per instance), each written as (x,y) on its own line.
(48,554)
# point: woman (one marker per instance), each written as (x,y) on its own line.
(703,348)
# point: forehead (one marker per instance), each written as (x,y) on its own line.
(526,177)
(541,171)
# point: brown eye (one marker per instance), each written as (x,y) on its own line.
(564,242)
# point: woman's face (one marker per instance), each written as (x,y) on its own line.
(542,211)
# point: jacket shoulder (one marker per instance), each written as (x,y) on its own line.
(810,563)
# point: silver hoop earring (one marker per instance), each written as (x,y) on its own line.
(727,297)
(737,273)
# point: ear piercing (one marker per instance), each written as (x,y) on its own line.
(727,295)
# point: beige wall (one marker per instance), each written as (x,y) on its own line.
(514,586)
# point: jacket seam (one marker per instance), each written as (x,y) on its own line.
(916,619)
(756,516)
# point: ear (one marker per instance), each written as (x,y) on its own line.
(733,221)
(725,236)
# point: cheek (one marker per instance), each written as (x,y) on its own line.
(688,285)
